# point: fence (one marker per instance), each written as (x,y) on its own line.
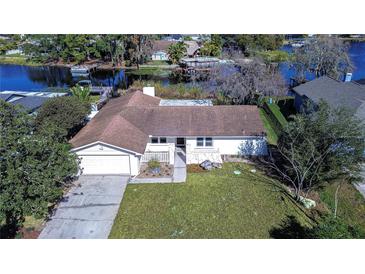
(161,156)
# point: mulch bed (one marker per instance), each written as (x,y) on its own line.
(194,168)
(27,233)
(166,171)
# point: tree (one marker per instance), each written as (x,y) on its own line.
(111,47)
(176,52)
(33,169)
(6,45)
(139,48)
(248,43)
(210,48)
(322,56)
(66,114)
(81,93)
(319,146)
(245,82)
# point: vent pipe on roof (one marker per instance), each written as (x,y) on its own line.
(149,91)
(348,77)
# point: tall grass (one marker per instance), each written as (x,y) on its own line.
(175,91)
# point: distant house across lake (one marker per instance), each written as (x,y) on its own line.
(160,49)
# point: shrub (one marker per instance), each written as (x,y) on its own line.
(335,228)
(152,164)
(66,113)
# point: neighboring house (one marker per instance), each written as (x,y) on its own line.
(348,94)
(361,81)
(160,49)
(135,128)
(192,48)
(31,101)
(14,51)
(160,56)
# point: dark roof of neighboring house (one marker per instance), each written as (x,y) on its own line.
(31,103)
(361,81)
(5,96)
(124,123)
(350,95)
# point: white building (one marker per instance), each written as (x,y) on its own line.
(135,128)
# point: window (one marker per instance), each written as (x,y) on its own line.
(159,140)
(204,142)
(200,142)
(209,142)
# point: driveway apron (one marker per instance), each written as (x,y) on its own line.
(88,210)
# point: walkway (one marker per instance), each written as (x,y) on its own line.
(179,167)
(88,210)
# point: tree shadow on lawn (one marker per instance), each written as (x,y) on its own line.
(272,183)
(290,228)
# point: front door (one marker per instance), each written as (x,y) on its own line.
(180,142)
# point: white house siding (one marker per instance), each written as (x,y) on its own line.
(160,56)
(104,159)
(224,146)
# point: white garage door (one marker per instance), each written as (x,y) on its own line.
(105,164)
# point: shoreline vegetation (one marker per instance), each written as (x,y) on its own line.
(150,68)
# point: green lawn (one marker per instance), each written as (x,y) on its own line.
(272,137)
(216,204)
(17,60)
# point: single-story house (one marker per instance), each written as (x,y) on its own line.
(348,94)
(192,48)
(135,128)
(160,49)
(160,56)
(30,101)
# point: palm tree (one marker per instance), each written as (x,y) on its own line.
(176,52)
(82,93)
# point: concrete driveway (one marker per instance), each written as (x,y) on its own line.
(88,210)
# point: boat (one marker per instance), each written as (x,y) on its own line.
(96,90)
(80,71)
(297,45)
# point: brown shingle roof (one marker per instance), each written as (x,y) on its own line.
(196,120)
(127,122)
(161,45)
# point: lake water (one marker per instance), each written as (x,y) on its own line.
(26,78)
(356,53)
